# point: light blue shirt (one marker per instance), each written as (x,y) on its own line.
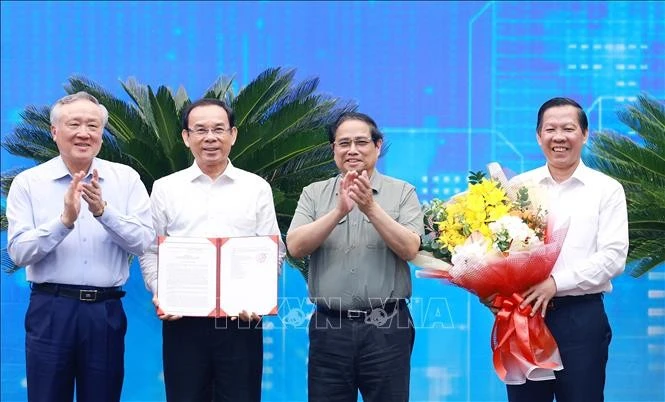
(96,250)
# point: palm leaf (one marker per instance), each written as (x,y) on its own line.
(167,125)
(259,95)
(221,89)
(640,167)
(181,99)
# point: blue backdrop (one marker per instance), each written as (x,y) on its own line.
(454,85)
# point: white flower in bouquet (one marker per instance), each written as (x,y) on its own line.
(472,253)
(511,233)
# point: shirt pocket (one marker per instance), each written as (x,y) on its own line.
(370,237)
(339,237)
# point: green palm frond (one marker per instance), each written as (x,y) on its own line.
(31,143)
(640,168)
(139,94)
(167,125)
(281,125)
(181,99)
(222,89)
(266,90)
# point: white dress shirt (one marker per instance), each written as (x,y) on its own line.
(596,244)
(190,203)
(96,250)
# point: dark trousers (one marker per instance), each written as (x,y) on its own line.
(582,332)
(70,341)
(361,354)
(207,359)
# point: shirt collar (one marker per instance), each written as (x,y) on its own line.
(581,174)
(194,172)
(376,180)
(59,169)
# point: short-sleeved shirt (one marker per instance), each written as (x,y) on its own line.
(354,267)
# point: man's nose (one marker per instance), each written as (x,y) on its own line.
(558,136)
(353,147)
(84,132)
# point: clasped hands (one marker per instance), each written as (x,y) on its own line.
(355,189)
(90,192)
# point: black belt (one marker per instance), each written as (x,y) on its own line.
(362,314)
(80,292)
(562,301)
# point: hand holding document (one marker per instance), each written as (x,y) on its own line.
(217,277)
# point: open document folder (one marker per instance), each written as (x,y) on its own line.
(216,277)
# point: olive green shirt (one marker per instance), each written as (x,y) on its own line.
(354,268)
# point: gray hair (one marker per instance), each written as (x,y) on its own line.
(82,95)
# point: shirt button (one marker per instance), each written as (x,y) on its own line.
(85,261)
(85,240)
(353,270)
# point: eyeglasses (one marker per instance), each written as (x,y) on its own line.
(360,142)
(201,131)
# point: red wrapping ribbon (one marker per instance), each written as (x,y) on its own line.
(517,337)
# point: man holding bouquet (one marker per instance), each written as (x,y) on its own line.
(359,228)
(594,251)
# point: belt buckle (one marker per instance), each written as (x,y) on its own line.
(88,295)
(356,313)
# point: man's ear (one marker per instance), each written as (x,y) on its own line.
(585,133)
(185,138)
(234,135)
(53,133)
(538,138)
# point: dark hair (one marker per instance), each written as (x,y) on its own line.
(206,102)
(374,130)
(554,102)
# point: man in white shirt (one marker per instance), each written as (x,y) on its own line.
(76,256)
(594,252)
(205,358)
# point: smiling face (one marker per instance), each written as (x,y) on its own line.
(210,150)
(77,131)
(354,149)
(561,138)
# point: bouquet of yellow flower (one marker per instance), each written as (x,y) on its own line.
(493,240)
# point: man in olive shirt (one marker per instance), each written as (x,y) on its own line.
(359,228)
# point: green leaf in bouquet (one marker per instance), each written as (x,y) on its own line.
(522,200)
(476,177)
